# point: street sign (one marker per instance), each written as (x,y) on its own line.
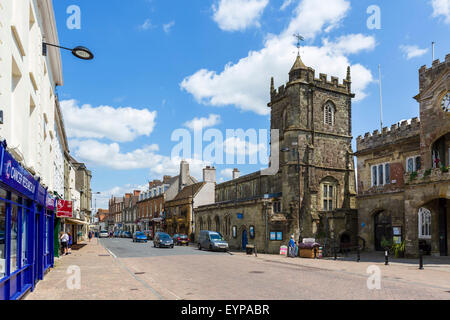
(64,209)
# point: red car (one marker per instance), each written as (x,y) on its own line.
(180,239)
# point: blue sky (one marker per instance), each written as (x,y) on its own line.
(161,64)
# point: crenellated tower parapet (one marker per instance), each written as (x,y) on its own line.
(406,129)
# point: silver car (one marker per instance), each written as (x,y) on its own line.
(103,234)
(212,240)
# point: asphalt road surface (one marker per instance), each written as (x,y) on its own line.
(188,273)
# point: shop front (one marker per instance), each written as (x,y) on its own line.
(24,232)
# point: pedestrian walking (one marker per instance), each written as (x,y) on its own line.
(64,242)
(69,245)
(90,236)
(292,247)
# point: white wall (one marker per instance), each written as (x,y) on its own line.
(27,85)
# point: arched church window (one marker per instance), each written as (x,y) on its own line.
(329,111)
(424,223)
(445,103)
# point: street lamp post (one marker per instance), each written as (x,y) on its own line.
(79,52)
(297,151)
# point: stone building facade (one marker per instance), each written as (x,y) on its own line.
(316,173)
(180,212)
(403,179)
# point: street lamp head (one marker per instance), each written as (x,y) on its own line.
(285,150)
(82,53)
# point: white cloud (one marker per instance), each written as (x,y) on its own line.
(197,124)
(441,8)
(116,124)
(351,44)
(109,155)
(412,51)
(286,4)
(146,25)
(312,17)
(168,26)
(101,200)
(234,15)
(227,173)
(238,146)
(245,84)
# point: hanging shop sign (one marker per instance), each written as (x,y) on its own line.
(64,209)
(15,176)
(50,203)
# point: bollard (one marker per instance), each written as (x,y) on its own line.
(420,259)
(386,258)
(335,253)
(358,255)
(315,252)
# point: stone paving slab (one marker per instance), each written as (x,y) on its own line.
(102,278)
(434,274)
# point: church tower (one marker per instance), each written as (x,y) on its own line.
(313,116)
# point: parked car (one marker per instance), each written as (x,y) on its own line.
(127,234)
(139,236)
(116,234)
(104,234)
(212,240)
(180,239)
(121,234)
(162,239)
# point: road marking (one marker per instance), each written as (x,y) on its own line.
(111,253)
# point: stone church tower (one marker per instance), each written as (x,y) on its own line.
(315,123)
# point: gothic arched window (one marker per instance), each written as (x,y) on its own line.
(328,113)
(424,223)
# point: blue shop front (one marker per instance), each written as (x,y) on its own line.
(26,229)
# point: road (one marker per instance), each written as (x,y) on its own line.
(188,273)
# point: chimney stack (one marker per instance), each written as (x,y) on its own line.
(209,174)
(184,173)
(236,173)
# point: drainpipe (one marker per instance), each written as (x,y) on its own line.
(266,247)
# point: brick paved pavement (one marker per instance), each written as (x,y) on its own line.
(102,278)
(238,276)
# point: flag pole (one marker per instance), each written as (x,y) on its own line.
(381,99)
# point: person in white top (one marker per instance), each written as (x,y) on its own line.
(64,241)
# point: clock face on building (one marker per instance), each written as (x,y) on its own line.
(445,104)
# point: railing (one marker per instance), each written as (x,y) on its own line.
(427,175)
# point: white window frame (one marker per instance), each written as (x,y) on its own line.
(414,163)
(329,198)
(383,165)
(421,213)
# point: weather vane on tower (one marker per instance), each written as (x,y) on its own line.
(299,39)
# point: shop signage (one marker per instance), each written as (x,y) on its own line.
(41,195)
(15,176)
(240,216)
(64,209)
(50,203)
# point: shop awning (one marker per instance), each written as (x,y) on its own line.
(74,221)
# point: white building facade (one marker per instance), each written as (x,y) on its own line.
(27,89)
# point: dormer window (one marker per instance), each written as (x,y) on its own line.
(328,113)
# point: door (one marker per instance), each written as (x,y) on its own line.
(244,240)
(36,249)
(383,229)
